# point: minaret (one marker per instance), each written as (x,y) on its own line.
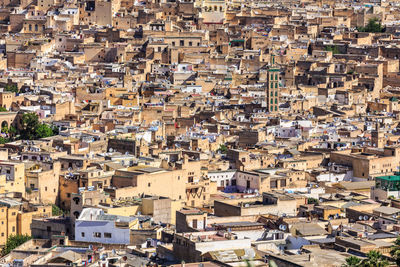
(272,90)
(377,137)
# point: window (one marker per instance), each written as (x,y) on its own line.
(181,43)
(13,228)
(45,188)
(48,229)
(68,195)
(83,234)
(97,234)
(107,235)
(149,184)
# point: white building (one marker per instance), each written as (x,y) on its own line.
(224,179)
(93,225)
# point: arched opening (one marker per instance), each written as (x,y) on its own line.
(4,127)
(76,200)
(76,214)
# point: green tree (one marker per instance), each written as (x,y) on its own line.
(4,140)
(30,122)
(395,251)
(374,259)
(43,130)
(12,131)
(55,130)
(11,88)
(312,201)
(352,261)
(14,241)
(334,49)
(56,211)
(32,129)
(223,149)
(374,25)
(4,129)
(3,109)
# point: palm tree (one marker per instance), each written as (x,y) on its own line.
(395,252)
(352,261)
(374,259)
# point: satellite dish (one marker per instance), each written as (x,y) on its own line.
(110,150)
(365,218)
(360,217)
